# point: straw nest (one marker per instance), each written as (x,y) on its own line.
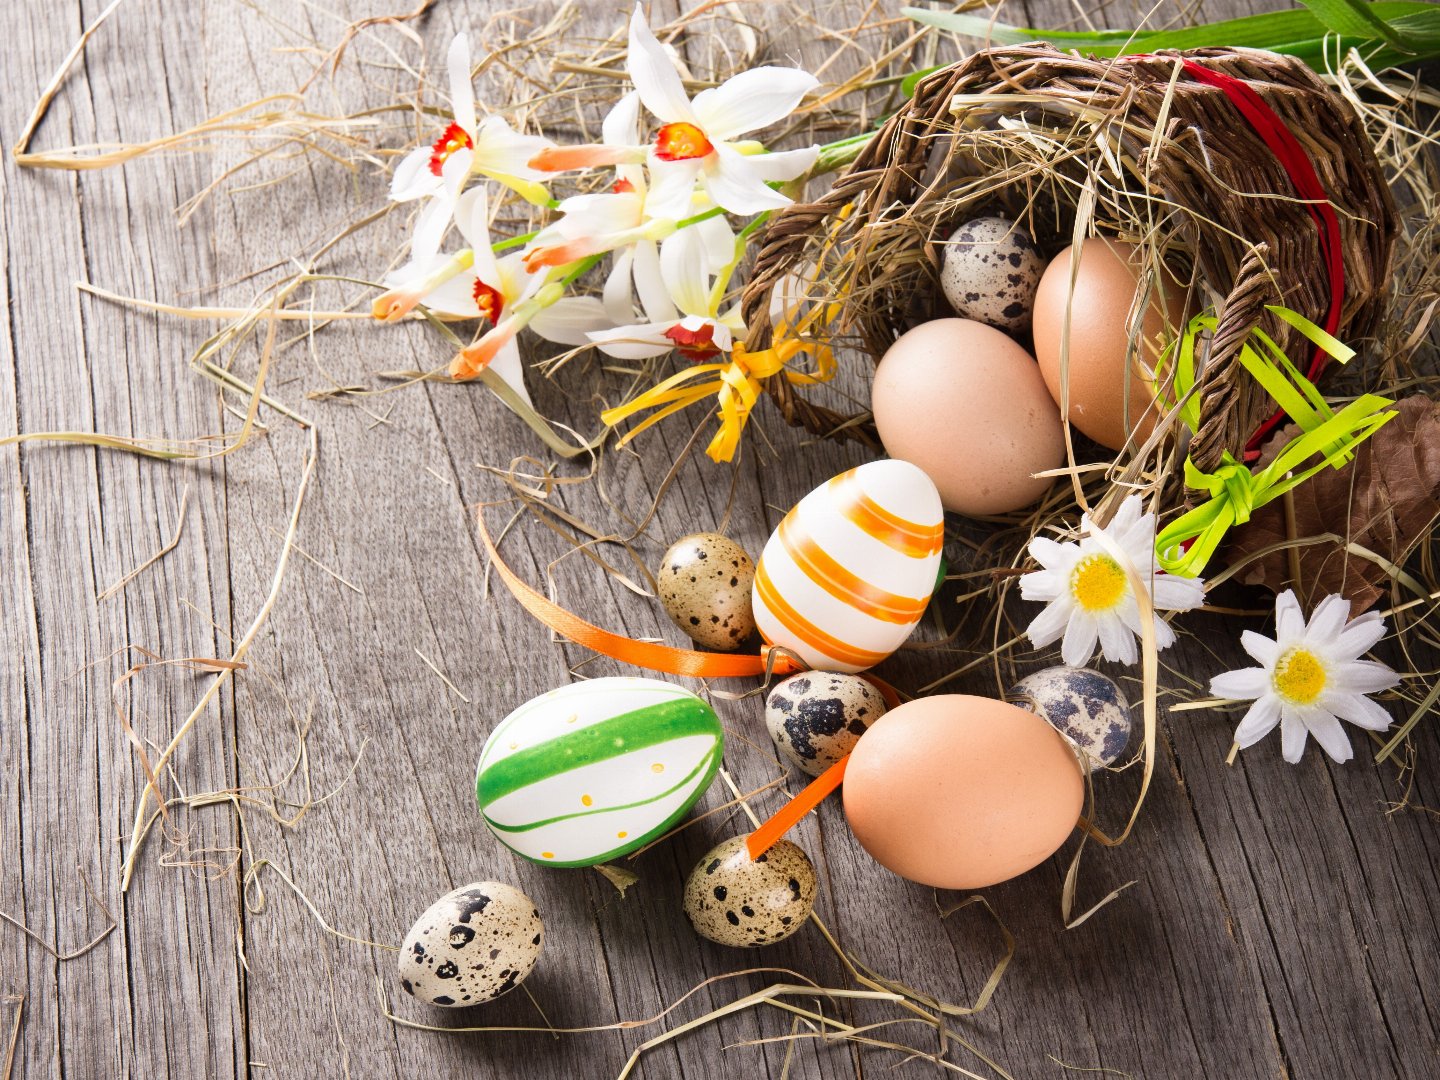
(1135,149)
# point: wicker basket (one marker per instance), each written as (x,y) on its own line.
(1032,131)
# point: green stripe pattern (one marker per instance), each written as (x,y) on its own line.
(566,780)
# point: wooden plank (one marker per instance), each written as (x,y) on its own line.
(1279,923)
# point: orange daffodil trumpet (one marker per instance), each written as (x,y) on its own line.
(437,172)
(697,139)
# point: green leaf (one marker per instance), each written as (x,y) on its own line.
(1355,18)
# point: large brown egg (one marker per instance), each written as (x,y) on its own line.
(962,792)
(1107,402)
(967,405)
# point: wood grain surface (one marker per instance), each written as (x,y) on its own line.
(1280,923)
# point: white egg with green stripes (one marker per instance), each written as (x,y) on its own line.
(597,769)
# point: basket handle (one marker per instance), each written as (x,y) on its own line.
(1224,386)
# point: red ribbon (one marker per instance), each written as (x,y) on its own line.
(1291,154)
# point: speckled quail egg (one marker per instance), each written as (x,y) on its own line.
(816,717)
(472,945)
(735,900)
(989,272)
(1088,708)
(704,581)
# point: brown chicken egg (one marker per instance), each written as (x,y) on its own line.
(967,405)
(1111,387)
(962,792)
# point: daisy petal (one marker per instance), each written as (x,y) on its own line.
(1363,677)
(1164,634)
(654,75)
(1289,619)
(1360,635)
(1329,734)
(752,99)
(1049,553)
(1261,649)
(1173,593)
(1046,628)
(1040,585)
(1080,637)
(1360,711)
(1116,642)
(1242,684)
(1328,619)
(1293,733)
(1259,721)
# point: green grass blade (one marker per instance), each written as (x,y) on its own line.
(1355,18)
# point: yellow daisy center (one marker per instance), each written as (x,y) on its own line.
(1299,676)
(1098,583)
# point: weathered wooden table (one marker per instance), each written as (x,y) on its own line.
(1280,924)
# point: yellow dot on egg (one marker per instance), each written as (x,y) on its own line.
(514,746)
(547,854)
(657,767)
(586,800)
(622,834)
(572,718)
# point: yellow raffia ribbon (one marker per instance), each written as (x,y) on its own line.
(734,384)
(1185,545)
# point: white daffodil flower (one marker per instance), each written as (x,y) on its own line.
(680,302)
(489,147)
(1310,678)
(699,139)
(470,284)
(1087,592)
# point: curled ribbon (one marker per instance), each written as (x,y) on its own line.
(735,385)
(1186,544)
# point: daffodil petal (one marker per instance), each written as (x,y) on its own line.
(734,184)
(650,284)
(413,178)
(654,74)
(454,297)
(685,271)
(571,320)
(784,164)
(508,366)
(430,226)
(636,342)
(751,100)
(672,187)
(462,92)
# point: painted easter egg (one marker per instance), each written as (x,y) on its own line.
(1088,708)
(845,578)
(472,945)
(816,718)
(596,769)
(704,583)
(735,900)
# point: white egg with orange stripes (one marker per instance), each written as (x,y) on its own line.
(845,578)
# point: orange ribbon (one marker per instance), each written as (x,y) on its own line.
(690,663)
(645,654)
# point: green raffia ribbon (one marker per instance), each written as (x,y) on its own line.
(1187,543)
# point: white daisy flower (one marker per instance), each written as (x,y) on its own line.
(1310,678)
(1087,592)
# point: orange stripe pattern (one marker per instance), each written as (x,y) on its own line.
(844,585)
(907,537)
(816,590)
